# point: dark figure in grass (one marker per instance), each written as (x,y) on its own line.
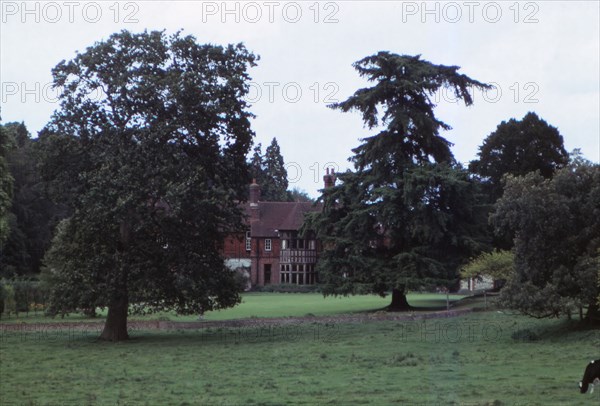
(590,376)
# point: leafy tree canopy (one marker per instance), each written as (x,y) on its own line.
(148,146)
(498,265)
(518,147)
(556,223)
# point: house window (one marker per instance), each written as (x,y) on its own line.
(268,244)
(248,241)
(284,244)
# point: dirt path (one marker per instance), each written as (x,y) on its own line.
(252,322)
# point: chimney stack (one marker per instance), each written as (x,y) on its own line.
(254,193)
(329,178)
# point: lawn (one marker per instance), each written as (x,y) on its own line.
(272,305)
(484,358)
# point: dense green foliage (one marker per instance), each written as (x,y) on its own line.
(408,215)
(32,215)
(22,296)
(6,187)
(518,147)
(148,147)
(557,227)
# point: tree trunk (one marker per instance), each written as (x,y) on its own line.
(399,302)
(115,328)
(593,313)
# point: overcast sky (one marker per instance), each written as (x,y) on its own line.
(542,56)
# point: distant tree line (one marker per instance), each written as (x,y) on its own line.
(29,216)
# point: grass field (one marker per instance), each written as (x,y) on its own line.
(272,305)
(484,358)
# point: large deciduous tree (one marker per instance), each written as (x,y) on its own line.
(556,223)
(518,147)
(406,217)
(149,146)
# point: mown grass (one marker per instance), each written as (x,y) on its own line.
(485,358)
(269,305)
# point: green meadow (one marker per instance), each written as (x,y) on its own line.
(259,305)
(483,358)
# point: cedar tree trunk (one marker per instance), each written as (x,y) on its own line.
(593,314)
(399,301)
(115,328)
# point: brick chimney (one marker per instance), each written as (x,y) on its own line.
(329,178)
(254,193)
(254,199)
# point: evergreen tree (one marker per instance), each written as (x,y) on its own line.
(269,172)
(275,175)
(407,216)
(256,164)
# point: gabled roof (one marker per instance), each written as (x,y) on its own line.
(280,216)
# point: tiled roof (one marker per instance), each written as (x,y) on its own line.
(280,216)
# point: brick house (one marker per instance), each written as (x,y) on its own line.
(271,251)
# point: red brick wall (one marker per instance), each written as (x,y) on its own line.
(235,246)
(260,257)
